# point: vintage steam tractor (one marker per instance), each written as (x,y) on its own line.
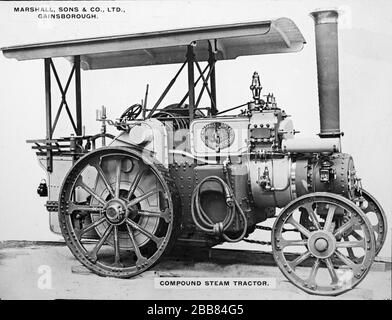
(192,175)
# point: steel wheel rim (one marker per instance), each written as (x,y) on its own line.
(92,258)
(339,281)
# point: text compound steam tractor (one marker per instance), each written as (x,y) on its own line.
(191,175)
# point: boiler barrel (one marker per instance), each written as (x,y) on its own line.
(311,145)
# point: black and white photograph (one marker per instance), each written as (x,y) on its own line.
(213,152)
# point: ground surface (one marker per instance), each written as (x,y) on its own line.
(21,267)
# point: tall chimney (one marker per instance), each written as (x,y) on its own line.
(326,29)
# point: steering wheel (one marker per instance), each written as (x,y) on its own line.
(132,112)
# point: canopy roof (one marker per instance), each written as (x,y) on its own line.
(163,47)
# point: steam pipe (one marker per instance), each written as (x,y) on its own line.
(326,31)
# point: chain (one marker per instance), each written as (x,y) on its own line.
(266,243)
(264,228)
(270,229)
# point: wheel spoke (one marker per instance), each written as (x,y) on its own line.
(154,238)
(299,226)
(313,271)
(141,198)
(118,178)
(140,258)
(293,264)
(312,215)
(93,254)
(104,179)
(342,229)
(158,214)
(350,244)
(135,183)
(77,207)
(350,250)
(331,270)
(117,262)
(91,226)
(81,184)
(356,235)
(346,260)
(288,243)
(330,214)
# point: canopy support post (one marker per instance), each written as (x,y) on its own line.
(211,62)
(48,104)
(191,80)
(63,92)
(50,128)
(78,97)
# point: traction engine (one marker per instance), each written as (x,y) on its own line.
(194,177)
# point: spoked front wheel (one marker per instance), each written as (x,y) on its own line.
(128,202)
(324,244)
(376,216)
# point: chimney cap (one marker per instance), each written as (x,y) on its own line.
(322,16)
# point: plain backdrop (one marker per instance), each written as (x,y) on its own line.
(365,40)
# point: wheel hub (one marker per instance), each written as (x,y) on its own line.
(116,211)
(322,244)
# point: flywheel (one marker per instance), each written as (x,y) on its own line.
(317,256)
(130,204)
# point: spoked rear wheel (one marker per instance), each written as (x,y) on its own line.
(323,244)
(128,201)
